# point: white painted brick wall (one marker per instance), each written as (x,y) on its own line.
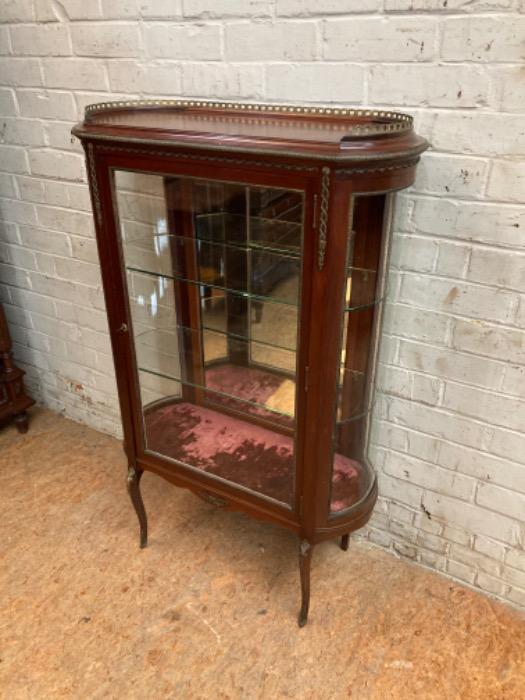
(448,439)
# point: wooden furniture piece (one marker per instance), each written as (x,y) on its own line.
(243,252)
(14,401)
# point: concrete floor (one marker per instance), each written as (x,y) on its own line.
(209,609)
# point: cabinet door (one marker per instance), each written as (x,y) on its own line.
(213,275)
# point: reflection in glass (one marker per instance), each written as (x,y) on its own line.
(213,277)
(361,304)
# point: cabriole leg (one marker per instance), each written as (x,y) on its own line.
(344,541)
(133,482)
(305,561)
(21,420)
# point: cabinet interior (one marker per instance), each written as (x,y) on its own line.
(214,272)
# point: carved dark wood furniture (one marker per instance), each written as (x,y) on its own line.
(14,401)
(243,252)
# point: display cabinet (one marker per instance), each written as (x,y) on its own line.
(14,400)
(243,251)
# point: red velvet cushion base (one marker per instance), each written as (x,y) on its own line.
(241,452)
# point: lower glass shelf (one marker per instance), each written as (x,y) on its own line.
(241,452)
(245,390)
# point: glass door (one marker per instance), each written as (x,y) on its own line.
(213,278)
(363,294)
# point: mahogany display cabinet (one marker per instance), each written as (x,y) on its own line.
(243,250)
(14,401)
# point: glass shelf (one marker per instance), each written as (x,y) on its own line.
(221,288)
(153,300)
(171,340)
(156,243)
(243,268)
(241,405)
(246,295)
(216,377)
(164,352)
(351,394)
(362,307)
(158,353)
(172,334)
(150,243)
(275,235)
(353,419)
(217,316)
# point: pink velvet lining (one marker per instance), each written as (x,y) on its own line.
(241,452)
(249,384)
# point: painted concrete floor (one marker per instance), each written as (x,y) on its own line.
(209,609)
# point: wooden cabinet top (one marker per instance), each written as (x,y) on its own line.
(313,132)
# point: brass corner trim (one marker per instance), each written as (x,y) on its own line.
(97,206)
(322,240)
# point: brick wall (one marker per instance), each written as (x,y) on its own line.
(448,441)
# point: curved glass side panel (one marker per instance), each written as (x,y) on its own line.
(213,275)
(361,308)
